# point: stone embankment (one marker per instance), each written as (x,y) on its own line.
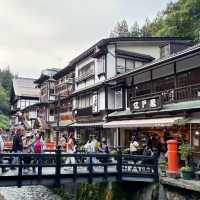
(27,193)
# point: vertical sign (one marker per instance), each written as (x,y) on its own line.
(95,103)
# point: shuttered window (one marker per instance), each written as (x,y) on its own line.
(188,63)
(143,77)
(163,71)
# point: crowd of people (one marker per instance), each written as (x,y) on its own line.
(33,142)
(150,145)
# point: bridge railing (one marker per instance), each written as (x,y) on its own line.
(88,165)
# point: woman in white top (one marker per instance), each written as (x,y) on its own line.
(133,146)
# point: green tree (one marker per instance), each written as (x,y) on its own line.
(135,30)
(6,80)
(144,31)
(120,29)
(181,19)
(4,102)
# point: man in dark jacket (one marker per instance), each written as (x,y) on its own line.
(17,145)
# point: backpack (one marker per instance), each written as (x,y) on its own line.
(38,147)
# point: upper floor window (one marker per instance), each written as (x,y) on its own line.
(86,70)
(143,89)
(124,65)
(164,51)
(118,98)
(166,83)
(85,101)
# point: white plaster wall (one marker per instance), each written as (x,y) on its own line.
(101,99)
(152,50)
(111,71)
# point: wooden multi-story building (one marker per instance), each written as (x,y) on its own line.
(159,97)
(23,95)
(95,97)
(64,87)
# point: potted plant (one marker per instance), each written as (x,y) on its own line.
(187,172)
(163,165)
(185,152)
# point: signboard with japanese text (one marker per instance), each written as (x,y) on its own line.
(95,103)
(146,104)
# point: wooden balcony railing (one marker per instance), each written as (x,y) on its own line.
(186,93)
(84,111)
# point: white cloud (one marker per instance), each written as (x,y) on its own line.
(42,33)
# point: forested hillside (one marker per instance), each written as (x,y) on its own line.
(5,90)
(180,19)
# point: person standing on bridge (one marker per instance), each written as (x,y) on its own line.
(37,150)
(17,145)
(133,145)
(71,148)
(1,149)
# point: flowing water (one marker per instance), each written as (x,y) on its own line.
(28,193)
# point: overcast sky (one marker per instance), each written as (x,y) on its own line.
(37,34)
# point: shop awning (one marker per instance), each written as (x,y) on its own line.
(139,123)
(95,124)
(194,121)
(62,124)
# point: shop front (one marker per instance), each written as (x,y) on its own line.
(84,130)
(143,129)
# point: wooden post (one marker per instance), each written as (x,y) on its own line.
(19,184)
(74,172)
(58,166)
(39,167)
(119,164)
(90,167)
(156,174)
(106,170)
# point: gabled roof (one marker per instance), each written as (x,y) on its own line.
(154,40)
(157,62)
(25,87)
(102,43)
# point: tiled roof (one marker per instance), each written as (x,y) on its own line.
(25,87)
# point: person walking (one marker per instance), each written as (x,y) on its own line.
(27,149)
(133,146)
(37,150)
(104,149)
(17,146)
(90,148)
(1,150)
(71,146)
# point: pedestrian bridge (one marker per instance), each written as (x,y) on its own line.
(53,170)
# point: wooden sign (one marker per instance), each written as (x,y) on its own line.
(146,104)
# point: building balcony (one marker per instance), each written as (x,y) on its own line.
(186,93)
(84,111)
(85,76)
